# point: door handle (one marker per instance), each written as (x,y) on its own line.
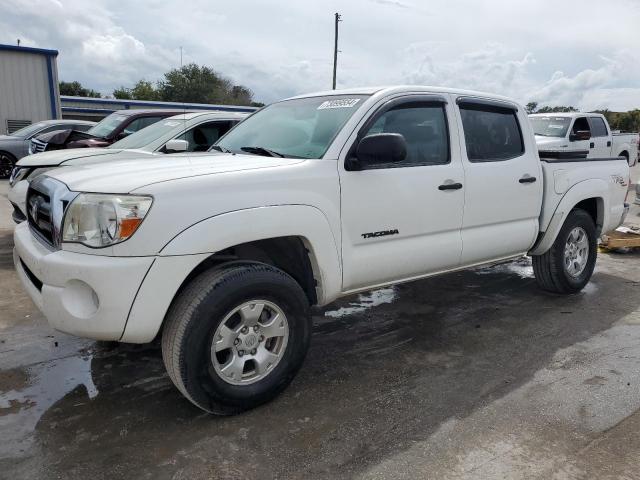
(527,179)
(450,186)
(609,143)
(592,145)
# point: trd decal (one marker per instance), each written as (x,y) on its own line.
(381,233)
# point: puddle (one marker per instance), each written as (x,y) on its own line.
(45,384)
(520,267)
(365,301)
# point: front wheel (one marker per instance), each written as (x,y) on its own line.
(568,265)
(236,336)
(7,162)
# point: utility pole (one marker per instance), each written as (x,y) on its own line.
(335,51)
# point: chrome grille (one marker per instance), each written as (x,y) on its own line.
(47,200)
(37,146)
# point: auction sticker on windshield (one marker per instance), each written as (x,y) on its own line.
(339,103)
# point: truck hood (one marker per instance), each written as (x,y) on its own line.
(551,142)
(58,157)
(124,176)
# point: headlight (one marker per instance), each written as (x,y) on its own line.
(99,220)
(26,173)
(17,174)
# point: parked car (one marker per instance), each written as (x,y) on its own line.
(110,129)
(583,131)
(187,132)
(15,145)
(310,199)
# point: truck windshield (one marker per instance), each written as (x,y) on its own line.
(550,126)
(301,128)
(107,125)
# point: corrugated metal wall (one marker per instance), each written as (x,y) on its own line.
(25,87)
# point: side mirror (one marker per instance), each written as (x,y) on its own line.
(381,148)
(580,135)
(176,145)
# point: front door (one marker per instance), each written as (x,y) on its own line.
(403,220)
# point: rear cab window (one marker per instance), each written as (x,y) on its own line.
(491,130)
(598,127)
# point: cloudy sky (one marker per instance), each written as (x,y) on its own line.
(579,52)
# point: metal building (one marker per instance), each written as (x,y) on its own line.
(95,109)
(28,86)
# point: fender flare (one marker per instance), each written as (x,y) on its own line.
(228,229)
(593,188)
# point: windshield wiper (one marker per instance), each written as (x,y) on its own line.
(262,151)
(219,148)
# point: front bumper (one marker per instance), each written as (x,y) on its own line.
(17,195)
(80,294)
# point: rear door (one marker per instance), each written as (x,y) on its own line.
(503,180)
(600,138)
(402,220)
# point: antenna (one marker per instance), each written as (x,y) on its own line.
(184,105)
(335,49)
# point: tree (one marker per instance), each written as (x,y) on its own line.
(547,109)
(190,84)
(531,107)
(143,90)
(122,93)
(77,90)
(201,84)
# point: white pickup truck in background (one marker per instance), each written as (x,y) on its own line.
(583,132)
(307,200)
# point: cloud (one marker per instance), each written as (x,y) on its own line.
(393,3)
(281,48)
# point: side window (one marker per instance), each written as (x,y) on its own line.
(581,124)
(598,128)
(491,134)
(140,123)
(201,138)
(424,128)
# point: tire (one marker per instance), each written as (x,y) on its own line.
(550,268)
(7,162)
(203,310)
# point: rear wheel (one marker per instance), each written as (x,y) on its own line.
(7,162)
(568,265)
(236,336)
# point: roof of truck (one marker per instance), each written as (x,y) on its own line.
(566,114)
(404,88)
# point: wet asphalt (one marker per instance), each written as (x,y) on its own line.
(475,375)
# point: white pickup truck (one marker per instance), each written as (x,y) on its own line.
(588,132)
(307,200)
